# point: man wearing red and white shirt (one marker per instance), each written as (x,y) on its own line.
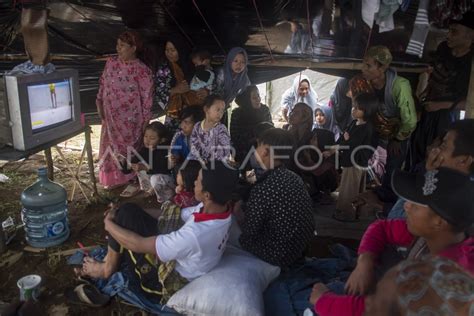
(196,247)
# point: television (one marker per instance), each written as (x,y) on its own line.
(39,108)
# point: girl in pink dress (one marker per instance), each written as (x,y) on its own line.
(124,104)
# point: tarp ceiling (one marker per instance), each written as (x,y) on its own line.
(83,31)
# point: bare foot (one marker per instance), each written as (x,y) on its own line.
(91,268)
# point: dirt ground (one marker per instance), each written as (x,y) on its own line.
(86,226)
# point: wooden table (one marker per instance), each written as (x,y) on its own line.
(10,154)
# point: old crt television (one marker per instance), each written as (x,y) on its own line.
(40,108)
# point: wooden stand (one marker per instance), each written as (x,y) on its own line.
(74,170)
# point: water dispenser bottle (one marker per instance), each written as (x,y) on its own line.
(44,212)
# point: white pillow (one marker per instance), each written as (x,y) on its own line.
(233,288)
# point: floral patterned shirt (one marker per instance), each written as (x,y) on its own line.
(163,78)
(213,144)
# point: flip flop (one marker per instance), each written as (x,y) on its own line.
(129,191)
(87,295)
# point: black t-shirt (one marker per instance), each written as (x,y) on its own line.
(157,160)
(358,135)
(449,80)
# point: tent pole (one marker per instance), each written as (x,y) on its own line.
(470,94)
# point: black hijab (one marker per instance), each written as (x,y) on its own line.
(342,104)
(248,113)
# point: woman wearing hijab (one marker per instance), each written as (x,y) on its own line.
(172,92)
(324,119)
(300,91)
(245,119)
(124,104)
(341,104)
(232,78)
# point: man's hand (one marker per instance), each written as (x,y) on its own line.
(318,290)
(434,160)
(363,277)
(109,214)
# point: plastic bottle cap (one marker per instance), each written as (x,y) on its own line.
(42,171)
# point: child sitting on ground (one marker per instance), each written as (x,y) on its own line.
(180,144)
(359,133)
(210,139)
(439,210)
(151,165)
(185,179)
(203,75)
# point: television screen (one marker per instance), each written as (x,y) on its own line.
(50,104)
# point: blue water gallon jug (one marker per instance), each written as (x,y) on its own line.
(44,212)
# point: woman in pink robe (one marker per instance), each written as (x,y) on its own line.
(124,104)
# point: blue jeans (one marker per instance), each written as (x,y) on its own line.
(118,284)
(289,294)
(397,211)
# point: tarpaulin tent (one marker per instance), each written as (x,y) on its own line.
(281,36)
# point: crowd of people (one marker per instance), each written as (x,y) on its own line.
(208,167)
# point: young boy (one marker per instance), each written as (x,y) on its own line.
(456,152)
(278,220)
(158,263)
(180,144)
(203,76)
(439,210)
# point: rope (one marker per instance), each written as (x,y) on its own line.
(263,30)
(309,28)
(368,39)
(177,24)
(208,26)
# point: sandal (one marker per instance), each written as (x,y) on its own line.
(87,295)
(130,190)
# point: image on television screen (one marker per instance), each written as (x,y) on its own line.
(50,103)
